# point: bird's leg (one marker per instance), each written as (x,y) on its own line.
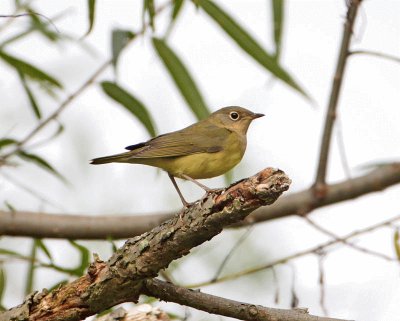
(207,189)
(185,204)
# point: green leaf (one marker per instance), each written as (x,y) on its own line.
(29,70)
(31,97)
(91,10)
(10,252)
(248,44)
(182,79)
(148,7)
(176,10)
(132,104)
(278,7)
(43,27)
(85,255)
(31,268)
(119,40)
(7,141)
(10,207)
(2,287)
(396,242)
(41,163)
(40,244)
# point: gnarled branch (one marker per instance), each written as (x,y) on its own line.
(122,277)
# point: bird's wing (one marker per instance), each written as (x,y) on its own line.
(191,140)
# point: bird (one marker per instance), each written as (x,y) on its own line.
(206,149)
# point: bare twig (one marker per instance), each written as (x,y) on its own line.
(217,305)
(349,244)
(34,224)
(27,14)
(316,249)
(334,97)
(321,272)
(375,54)
(242,238)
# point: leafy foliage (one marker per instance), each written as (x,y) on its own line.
(29,70)
(132,104)
(182,78)
(249,44)
(119,39)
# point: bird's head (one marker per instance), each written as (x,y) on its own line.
(234,118)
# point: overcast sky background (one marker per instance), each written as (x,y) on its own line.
(358,286)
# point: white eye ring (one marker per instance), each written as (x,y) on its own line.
(234,115)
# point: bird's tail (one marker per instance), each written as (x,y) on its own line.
(119,158)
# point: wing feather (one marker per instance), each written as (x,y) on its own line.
(206,138)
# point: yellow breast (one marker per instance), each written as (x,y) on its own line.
(205,165)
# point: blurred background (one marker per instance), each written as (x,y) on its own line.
(355,285)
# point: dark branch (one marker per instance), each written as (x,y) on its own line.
(229,308)
(334,97)
(33,224)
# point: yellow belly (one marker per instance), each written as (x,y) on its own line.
(202,165)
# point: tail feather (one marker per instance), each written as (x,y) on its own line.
(119,158)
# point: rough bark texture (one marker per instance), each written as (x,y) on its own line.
(121,278)
(217,305)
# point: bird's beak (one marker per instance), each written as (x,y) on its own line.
(254,116)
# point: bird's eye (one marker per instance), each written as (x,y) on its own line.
(234,115)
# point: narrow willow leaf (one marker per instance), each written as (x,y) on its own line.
(2,287)
(91,14)
(132,104)
(41,163)
(150,9)
(119,39)
(40,244)
(85,256)
(248,44)
(396,241)
(7,141)
(29,70)
(278,7)
(176,10)
(43,27)
(30,95)
(10,208)
(30,278)
(10,252)
(182,79)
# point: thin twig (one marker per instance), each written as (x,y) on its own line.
(375,54)
(313,250)
(242,238)
(349,244)
(334,97)
(25,14)
(342,149)
(321,281)
(217,305)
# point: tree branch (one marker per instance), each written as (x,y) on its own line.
(229,308)
(122,277)
(334,97)
(33,224)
